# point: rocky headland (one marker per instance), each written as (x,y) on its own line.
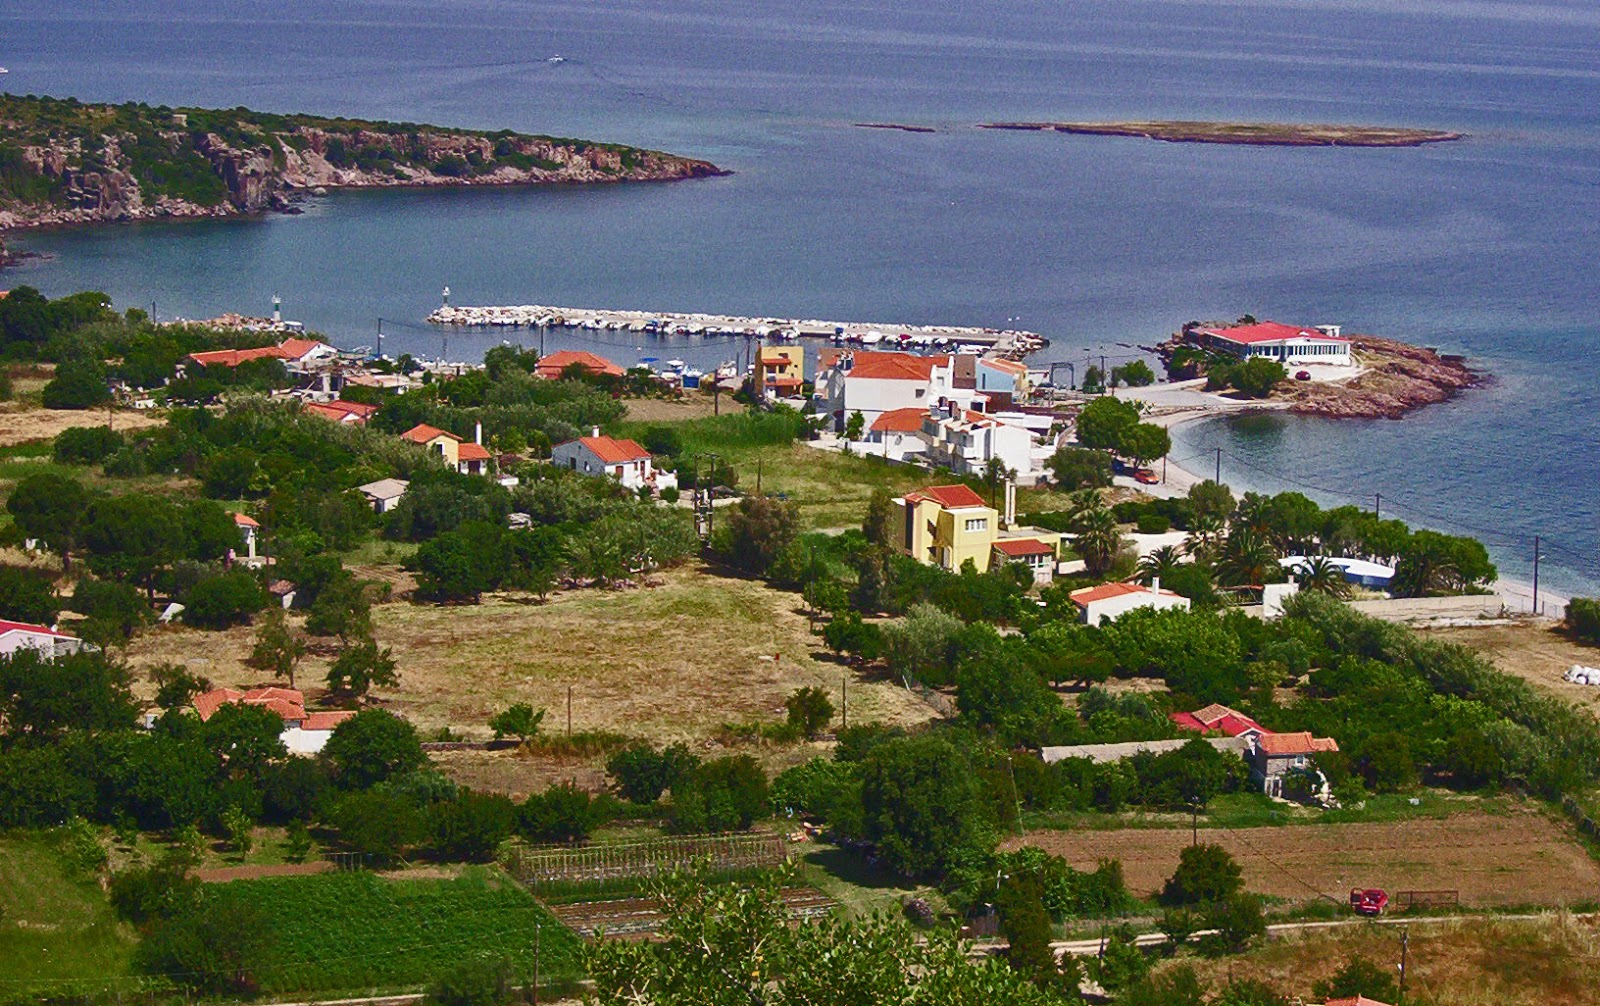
(1268,134)
(67,162)
(1392,379)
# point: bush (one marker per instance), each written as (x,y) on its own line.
(86,445)
(478,980)
(78,384)
(726,794)
(1154,524)
(1206,874)
(520,721)
(809,711)
(641,773)
(372,746)
(561,813)
(920,806)
(377,823)
(822,789)
(471,827)
(25,597)
(1583,619)
(225,599)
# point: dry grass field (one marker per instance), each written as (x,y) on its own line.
(1550,961)
(667,663)
(27,425)
(673,410)
(1537,652)
(1520,857)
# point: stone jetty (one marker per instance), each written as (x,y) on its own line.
(1011,343)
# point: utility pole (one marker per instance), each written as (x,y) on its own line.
(844,701)
(1163,469)
(1105,377)
(1194,822)
(380,338)
(1377,505)
(1219,466)
(758,476)
(1535,574)
(1405,946)
(569,712)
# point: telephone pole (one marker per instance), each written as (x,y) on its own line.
(1535,574)
(1377,505)
(1219,466)
(1405,946)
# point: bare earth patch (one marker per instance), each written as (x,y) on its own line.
(30,425)
(1524,857)
(1537,652)
(672,410)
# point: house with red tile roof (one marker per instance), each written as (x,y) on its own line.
(1354,1001)
(951,525)
(303,733)
(1218,718)
(1109,601)
(340,411)
(295,353)
(895,435)
(44,640)
(872,383)
(1288,344)
(468,458)
(553,366)
(608,457)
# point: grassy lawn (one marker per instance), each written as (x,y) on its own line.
(860,887)
(349,932)
(54,927)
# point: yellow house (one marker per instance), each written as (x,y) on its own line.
(945,526)
(782,368)
(437,441)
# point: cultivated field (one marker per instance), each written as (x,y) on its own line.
(1551,961)
(1521,857)
(1535,651)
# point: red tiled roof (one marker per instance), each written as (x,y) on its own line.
(339,411)
(1009,366)
(1298,743)
(1355,1001)
(245,520)
(551,366)
(326,720)
(1017,548)
(828,357)
(472,452)
(422,433)
(294,349)
(613,451)
(900,420)
(289,349)
(784,382)
(1218,717)
(288,703)
(1085,596)
(896,366)
(1267,331)
(949,497)
(45,630)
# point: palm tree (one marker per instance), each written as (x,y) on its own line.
(1160,564)
(1319,575)
(1247,558)
(1254,512)
(1205,530)
(1097,541)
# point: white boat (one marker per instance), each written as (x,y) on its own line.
(674,364)
(556,59)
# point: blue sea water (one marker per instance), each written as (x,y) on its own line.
(1485,247)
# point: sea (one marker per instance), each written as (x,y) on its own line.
(1487,247)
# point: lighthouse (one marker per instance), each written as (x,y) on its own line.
(446,296)
(277,310)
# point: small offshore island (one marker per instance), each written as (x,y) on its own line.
(64,162)
(1260,134)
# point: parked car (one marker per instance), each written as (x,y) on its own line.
(1302,375)
(1145,477)
(1370,902)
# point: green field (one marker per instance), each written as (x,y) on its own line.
(56,929)
(347,932)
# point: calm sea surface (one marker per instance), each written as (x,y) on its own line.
(1486,247)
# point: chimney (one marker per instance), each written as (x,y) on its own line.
(1155,585)
(594,431)
(477,434)
(1011,503)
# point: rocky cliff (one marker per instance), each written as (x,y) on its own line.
(1396,379)
(66,162)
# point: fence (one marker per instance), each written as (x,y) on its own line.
(1425,899)
(540,866)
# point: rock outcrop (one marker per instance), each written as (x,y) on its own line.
(63,162)
(1398,378)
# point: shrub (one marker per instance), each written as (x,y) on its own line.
(809,711)
(86,445)
(472,826)
(225,599)
(520,721)
(1583,619)
(477,980)
(1154,524)
(641,773)
(820,788)
(726,794)
(561,813)
(25,597)
(372,746)
(1206,874)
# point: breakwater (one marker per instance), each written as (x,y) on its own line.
(1013,343)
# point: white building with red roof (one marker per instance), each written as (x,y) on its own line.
(1110,601)
(602,456)
(895,435)
(42,639)
(342,412)
(303,733)
(296,354)
(553,366)
(1287,344)
(872,383)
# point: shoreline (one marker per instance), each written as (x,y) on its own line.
(1516,594)
(1253,134)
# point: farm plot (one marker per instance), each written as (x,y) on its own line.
(342,932)
(637,916)
(1522,857)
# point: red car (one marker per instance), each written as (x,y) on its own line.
(1370,902)
(1145,477)
(1304,375)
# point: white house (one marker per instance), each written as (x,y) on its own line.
(965,441)
(248,532)
(18,636)
(1109,601)
(384,494)
(303,733)
(623,460)
(896,435)
(1287,344)
(873,383)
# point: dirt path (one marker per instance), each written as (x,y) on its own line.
(1517,858)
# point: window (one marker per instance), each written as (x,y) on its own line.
(977,523)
